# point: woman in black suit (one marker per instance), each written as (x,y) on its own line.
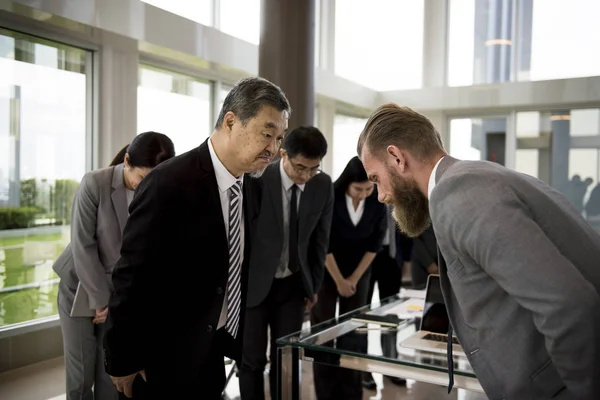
(357,230)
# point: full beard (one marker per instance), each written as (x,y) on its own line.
(411,207)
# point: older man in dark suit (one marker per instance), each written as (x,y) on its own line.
(288,259)
(180,285)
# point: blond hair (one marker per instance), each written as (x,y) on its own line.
(403,127)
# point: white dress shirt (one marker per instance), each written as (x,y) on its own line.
(432,178)
(286,197)
(355,215)
(129,194)
(225,181)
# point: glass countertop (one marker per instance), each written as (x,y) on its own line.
(327,342)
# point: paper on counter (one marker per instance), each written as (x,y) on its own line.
(410,308)
(412,293)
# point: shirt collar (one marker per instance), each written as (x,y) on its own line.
(224,178)
(286,181)
(432,178)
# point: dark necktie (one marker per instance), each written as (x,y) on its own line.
(449,345)
(450,360)
(293,243)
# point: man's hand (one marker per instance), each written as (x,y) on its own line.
(101,314)
(310,303)
(346,288)
(433,269)
(124,384)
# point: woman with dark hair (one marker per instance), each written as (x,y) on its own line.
(357,230)
(100,211)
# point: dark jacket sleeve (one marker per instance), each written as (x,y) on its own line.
(380,221)
(404,245)
(421,252)
(320,241)
(129,308)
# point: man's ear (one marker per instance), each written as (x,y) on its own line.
(228,121)
(396,157)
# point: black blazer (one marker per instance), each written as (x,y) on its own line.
(349,243)
(425,252)
(170,282)
(314,224)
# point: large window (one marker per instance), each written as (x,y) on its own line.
(480,41)
(346,131)
(478,139)
(241,18)
(556,41)
(562,148)
(43,132)
(379,43)
(552,41)
(174,104)
(197,10)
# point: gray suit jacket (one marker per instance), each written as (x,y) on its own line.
(521,281)
(314,225)
(97,222)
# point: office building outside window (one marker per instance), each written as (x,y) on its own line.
(43,133)
(493,41)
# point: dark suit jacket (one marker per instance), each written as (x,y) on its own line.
(520,280)
(314,224)
(424,254)
(170,282)
(349,243)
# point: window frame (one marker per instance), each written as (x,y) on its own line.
(11,28)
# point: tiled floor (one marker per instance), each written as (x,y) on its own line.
(45,381)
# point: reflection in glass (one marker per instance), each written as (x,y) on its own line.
(174,104)
(42,157)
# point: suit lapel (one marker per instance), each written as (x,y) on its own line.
(306,199)
(119,196)
(210,182)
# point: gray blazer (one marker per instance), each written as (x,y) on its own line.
(98,219)
(314,226)
(521,281)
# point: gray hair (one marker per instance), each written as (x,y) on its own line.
(248,96)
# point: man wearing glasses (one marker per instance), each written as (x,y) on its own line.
(288,257)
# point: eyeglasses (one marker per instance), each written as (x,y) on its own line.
(302,170)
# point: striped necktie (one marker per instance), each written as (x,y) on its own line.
(234,292)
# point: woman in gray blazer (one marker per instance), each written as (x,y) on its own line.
(100,211)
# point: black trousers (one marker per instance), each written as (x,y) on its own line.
(169,381)
(283,312)
(333,383)
(387,272)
